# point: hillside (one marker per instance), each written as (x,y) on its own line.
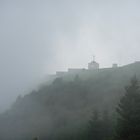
(65,105)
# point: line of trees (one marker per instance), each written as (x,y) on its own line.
(127,125)
(128,122)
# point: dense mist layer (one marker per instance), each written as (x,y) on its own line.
(40,37)
(64,108)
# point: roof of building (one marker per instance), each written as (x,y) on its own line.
(93,62)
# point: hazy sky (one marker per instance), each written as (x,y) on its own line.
(42,36)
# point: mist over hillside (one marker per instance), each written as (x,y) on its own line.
(66,105)
(38,37)
(51,85)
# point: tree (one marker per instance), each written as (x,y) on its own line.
(128,122)
(107,129)
(95,127)
(35,138)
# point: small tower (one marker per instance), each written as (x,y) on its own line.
(114,65)
(93,65)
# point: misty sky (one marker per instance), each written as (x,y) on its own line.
(42,36)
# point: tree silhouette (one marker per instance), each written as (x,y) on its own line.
(95,127)
(128,122)
(35,138)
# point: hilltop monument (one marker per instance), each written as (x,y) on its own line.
(93,65)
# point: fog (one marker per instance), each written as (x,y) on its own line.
(40,37)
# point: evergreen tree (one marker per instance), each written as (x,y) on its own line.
(95,127)
(128,122)
(35,138)
(107,129)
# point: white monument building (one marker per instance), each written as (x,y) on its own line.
(93,65)
(115,65)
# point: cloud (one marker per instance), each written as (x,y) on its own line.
(40,37)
